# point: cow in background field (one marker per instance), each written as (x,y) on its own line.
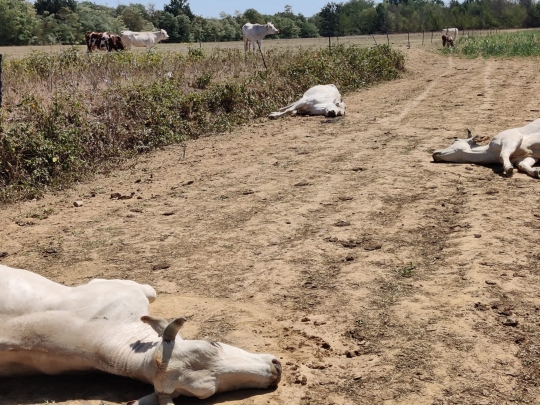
(447,41)
(451,32)
(255,33)
(142,39)
(103,41)
(323,99)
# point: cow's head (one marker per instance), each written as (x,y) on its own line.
(457,152)
(270,29)
(164,34)
(201,368)
(335,109)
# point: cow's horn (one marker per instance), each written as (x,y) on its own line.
(157,323)
(172,329)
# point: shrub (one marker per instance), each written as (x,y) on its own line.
(67,114)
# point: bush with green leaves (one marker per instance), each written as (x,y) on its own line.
(520,44)
(67,114)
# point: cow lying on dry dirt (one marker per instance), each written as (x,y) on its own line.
(323,99)
(514,147)
(104,325)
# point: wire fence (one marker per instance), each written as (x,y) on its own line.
(404,39)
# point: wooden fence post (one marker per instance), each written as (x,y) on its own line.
(387,38)
(431,36)
(422,37)
(329,44)
(408,40)
(260,50)
(374,40)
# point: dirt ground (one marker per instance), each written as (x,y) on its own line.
(377,276)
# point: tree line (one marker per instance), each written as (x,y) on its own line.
(66,21)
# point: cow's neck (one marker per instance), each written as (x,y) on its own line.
(481,154)
(129,351)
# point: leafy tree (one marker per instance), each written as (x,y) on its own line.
(17,22)
(179,7)
(330,19)
(54,6)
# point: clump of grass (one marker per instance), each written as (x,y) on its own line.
(407,271)
(521,44)
(66,115)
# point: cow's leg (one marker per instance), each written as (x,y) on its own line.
(509,144)
(526,165)
(288,109)
(151,399)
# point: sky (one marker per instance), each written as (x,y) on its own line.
(212,8)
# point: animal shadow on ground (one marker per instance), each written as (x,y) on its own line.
(97,387)
(496,168)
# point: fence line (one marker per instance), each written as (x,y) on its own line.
(401,39)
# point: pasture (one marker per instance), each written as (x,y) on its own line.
(375,275)
(397,40)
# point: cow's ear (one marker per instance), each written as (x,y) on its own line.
(172,329)
(157,323)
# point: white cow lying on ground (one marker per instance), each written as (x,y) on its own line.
(451,32)
(141,39)
(323,99)
(255,33)
(104,325)
(516,146)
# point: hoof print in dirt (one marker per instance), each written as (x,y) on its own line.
(510,322)
(3,254)
(491,282)
(168,213)
(118,196)
(161,266)
(342,223)
(480,307)
(302,184)
(358,169)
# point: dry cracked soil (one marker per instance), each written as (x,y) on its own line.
(376,275)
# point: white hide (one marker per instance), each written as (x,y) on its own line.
(451,32)
(142,39)
(323,99)
(518,147)
(255,33)
(49,328)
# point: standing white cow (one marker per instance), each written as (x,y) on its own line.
(104,325)
(255,33)
(451,32)
(515,146)
(141,39)
(323,99)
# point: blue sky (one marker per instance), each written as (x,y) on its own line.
(212,8)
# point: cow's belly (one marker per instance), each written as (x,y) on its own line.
(22,362)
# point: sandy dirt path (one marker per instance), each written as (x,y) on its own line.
(376,275)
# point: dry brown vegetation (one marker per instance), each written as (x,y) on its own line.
(376,275)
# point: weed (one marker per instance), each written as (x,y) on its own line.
(521,44)
(66,115)
(407,271)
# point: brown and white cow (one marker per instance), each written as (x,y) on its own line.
(103,41)
(447,40)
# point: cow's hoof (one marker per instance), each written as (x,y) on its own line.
(537,174)
(510,172)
